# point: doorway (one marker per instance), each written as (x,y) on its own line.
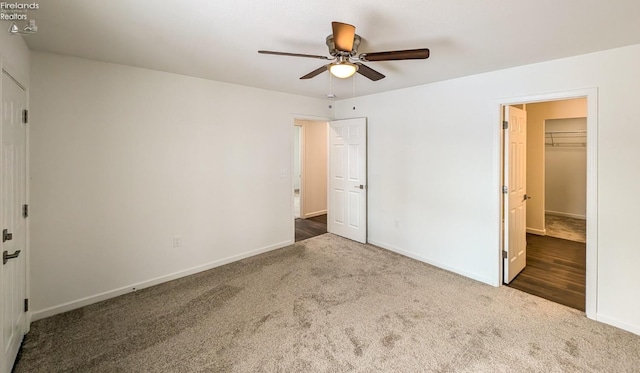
(561,190)
(310,178)
(556,249)
(333,178)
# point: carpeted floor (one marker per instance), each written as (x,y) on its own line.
(571,229)
(327,305)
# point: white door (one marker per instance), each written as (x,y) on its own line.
(515,204)
(13,194)
(347,210)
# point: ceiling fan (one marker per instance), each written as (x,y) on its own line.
(343,47)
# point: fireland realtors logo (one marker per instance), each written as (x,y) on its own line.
(14,12)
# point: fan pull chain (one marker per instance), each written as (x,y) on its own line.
(330,95)
(353,95)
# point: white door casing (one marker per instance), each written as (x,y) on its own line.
(515,181)
(347,196)
(13,193)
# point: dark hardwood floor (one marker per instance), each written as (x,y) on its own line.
(555,271)
(311,227)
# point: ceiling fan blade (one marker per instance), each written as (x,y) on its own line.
(295,55)
(315,72)
(369,72)
(409,54)
(343,35)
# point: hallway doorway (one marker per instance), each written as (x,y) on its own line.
(310,168)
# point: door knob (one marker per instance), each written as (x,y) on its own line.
(6,256)
(6,236)
(360,186)
(526,197)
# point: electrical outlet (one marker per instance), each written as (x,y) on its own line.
(177,241)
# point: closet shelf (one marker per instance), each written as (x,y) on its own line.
(565,138)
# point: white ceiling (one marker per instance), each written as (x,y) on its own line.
(219,39)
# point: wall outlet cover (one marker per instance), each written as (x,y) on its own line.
(177,241)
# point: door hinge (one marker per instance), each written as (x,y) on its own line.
(505,190)
(504,254)
(26,305)
(6,235)
(25,116)
(505,125)
(25,211)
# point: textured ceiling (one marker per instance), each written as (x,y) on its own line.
(219,39)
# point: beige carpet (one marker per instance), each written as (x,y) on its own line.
(566,228)
(327,305)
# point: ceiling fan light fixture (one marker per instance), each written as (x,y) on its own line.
(343,69)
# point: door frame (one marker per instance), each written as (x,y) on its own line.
(6,69)
(591,94)
(301,161)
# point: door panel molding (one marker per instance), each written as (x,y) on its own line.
(515,167)
(347,191)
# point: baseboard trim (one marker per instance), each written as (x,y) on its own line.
(566,215)
(435,263)
(539,232)
(54,310)
(618,324)
(315,213)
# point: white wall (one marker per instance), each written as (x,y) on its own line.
(566,170)
(125,158)
(434,175)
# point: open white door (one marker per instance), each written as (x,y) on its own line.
(13,194)
(347,210)
(515,198)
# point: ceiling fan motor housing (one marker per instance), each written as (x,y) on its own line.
(334,52)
